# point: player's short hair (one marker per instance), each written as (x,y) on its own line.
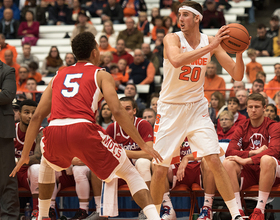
(83,44)
(258,81)
(129,99)
(192,4)
(27,102)
(256,97)
(228,113)
(149,110)
(234,99)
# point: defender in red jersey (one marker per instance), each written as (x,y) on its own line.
(253,154)
(72,97)
(28,174)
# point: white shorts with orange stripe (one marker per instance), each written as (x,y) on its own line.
(176,121)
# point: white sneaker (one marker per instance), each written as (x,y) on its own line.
(168,213)
(142,216)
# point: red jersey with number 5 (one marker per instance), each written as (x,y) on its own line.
(75,92)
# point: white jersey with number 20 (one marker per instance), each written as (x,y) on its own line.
(185,84)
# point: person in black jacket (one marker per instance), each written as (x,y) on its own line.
(112,11)
(60,14)
(39,12)
(8,25)
(9,202)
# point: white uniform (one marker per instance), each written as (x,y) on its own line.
(183,110)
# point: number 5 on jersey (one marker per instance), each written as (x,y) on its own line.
(195,73)
(71,85)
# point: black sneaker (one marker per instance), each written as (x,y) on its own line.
(80,214)
(52,214)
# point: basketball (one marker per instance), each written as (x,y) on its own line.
(238,40)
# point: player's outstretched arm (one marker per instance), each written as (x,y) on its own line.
(107,85)
(136,154)
(41,112)
(177,59)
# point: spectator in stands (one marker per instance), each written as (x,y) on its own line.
(9,60)
(212,18)
(150,116)
(227,126)
(117,75)
(16,110)
(5,46)
(29,29)
(165,4)
(242,96)
(152,57)
(33,67)
(261,43)
(217,102)
(250,155)
(109,32)
(26,57)
(143,24)
(83,25)
(104,45)
(237,85)
(174,10)
(277,101)
(268,100)
(158,50)
(70,60)
(105,116)
(276,45)
(271,112)
(31,86)
(22,79)
(132,37)
(274,83)
(8,25)
(253,67)
(274,27)
(277,12)
(257,86)
(60,14)
(39,12)
(76,8)
(154,13)
(158,28)
(95,7)
(112,12)
(167,23)
(213,81)
(122,53)
(131,91)
(142,70)
(221,5)
(132,8)
(106,60)
(251,12)
(153,103)
(10,4)
(52,62)
(261,75)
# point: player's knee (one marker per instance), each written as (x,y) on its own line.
(144,168)
(33,175)
(229,165)
(267,162)
(46,173)
(204,165)
(160,173)
(80,173)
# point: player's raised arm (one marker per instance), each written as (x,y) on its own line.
(41,112)
(107,85)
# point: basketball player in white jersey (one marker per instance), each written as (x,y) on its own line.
(182,109)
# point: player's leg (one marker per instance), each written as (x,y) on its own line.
(268,167)
(82,175)
(46,186)
(209,191)
(33,175)
(143,166)
(138,189)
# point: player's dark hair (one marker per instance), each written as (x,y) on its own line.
(234,99)
(258,81)
(83,44)
(256,97)
(27,102)
(129,99)
(192,4)
(274,108)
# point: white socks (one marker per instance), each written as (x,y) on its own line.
(84,205)
(97,200)
(44,206)
(238,200)
(263,196)
(208,200)
(232,206)
(151,212)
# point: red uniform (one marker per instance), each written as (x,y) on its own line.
(240,120)
(226,136)
(19,142)
(192,171)
(246,138)
(72,131)
(143,127)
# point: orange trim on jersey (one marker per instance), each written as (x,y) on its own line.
(154,140)
(195,154)
(156,128)
(175,160)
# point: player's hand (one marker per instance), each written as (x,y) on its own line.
(261,149)
(246,47)
(239,160)
(181,172)
(152,152)
(22,160)
(221,35)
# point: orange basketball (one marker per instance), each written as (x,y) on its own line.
(238,40)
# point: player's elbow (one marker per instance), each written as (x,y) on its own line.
(175,63)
